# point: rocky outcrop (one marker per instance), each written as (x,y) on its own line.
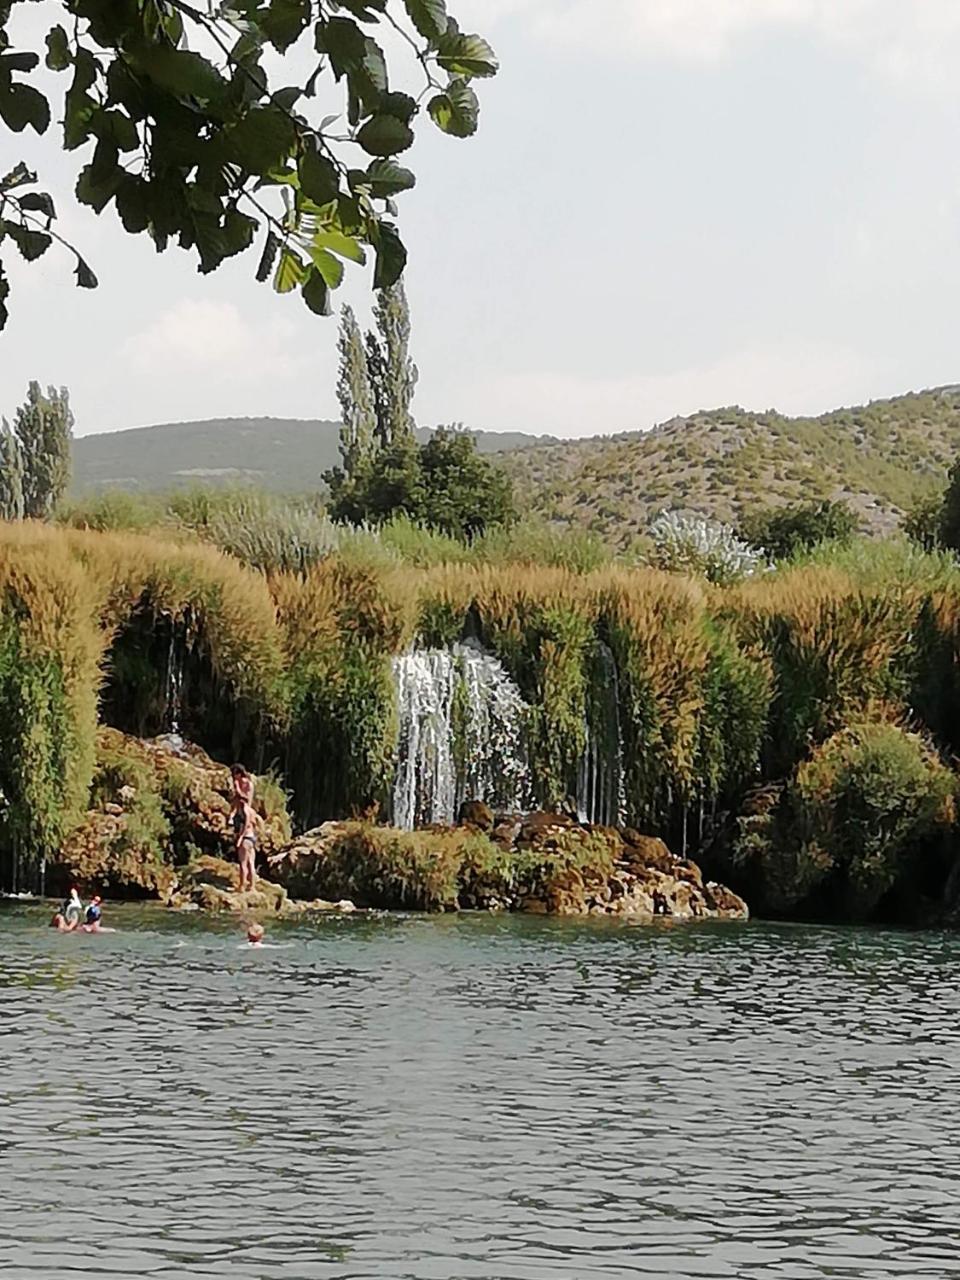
(541,863)
(212,884)
(156,805)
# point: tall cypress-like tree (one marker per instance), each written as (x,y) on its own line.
(358,416)
(43,427)
(393,375)
(11,474)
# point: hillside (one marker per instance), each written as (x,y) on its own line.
(879,458)
(286,454)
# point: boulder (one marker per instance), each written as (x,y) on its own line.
(474,813)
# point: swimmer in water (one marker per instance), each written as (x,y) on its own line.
(60,923)
(94,913)
(72,909)
(255,934)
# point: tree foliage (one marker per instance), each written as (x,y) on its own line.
(922,523)
(783,531)
(191,133)
(358,414)
(692,544)
(11,475)
(444,484)
(950,511)
(35,456)
(393,375)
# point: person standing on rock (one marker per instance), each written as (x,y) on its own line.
(247,847)
(242,794)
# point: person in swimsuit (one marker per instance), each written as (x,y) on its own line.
(255,934)
(60,923)
(242,795)
(247,847)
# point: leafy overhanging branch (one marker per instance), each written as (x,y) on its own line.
(202,150)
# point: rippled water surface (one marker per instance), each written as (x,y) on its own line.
(476,1099)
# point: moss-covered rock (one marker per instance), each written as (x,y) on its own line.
(156,805)
(545,864)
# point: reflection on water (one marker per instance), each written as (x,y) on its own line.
(477,1099)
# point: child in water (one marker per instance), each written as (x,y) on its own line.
(255,934)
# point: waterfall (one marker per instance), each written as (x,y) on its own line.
(600,792)
(462,735)
(173,686)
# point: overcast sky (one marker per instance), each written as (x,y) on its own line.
(671,204)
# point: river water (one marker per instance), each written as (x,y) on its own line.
(472,1098)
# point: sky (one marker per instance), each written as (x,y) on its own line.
(670,205)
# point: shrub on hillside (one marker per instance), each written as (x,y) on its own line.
(692,544)
(783,531)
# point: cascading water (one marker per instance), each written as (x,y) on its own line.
(173,686)
(600,794)
(462,735)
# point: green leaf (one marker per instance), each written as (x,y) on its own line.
(385,136)
(387,178)
(17,62)
(180,72)
(30,243)
(98,190)
(4,294)
(40,202)
(400,105)
(428,16)
(316,293)
(349,216)
(238,231)
(85,277)
(22,105)
(337,242)
(319,179)
(466,55)
(117,128)
(262,140)
(80,108)
(268,257)
(58,49)
(291,271)
(132,207)
(391,256)
(344,42)
(330,268)
(365,10)
(284,21)
(457,111)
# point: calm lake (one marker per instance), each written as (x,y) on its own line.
(473,1098)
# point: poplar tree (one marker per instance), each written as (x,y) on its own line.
(43,427)
(358,419)
(393,375)
(11,474)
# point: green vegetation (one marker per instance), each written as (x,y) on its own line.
(785,531)
(207,149)
(35,455)
(386,472)
(878,460)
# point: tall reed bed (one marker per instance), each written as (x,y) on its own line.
(716,689)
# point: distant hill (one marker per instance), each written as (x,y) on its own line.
(879,458)
(287,454)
